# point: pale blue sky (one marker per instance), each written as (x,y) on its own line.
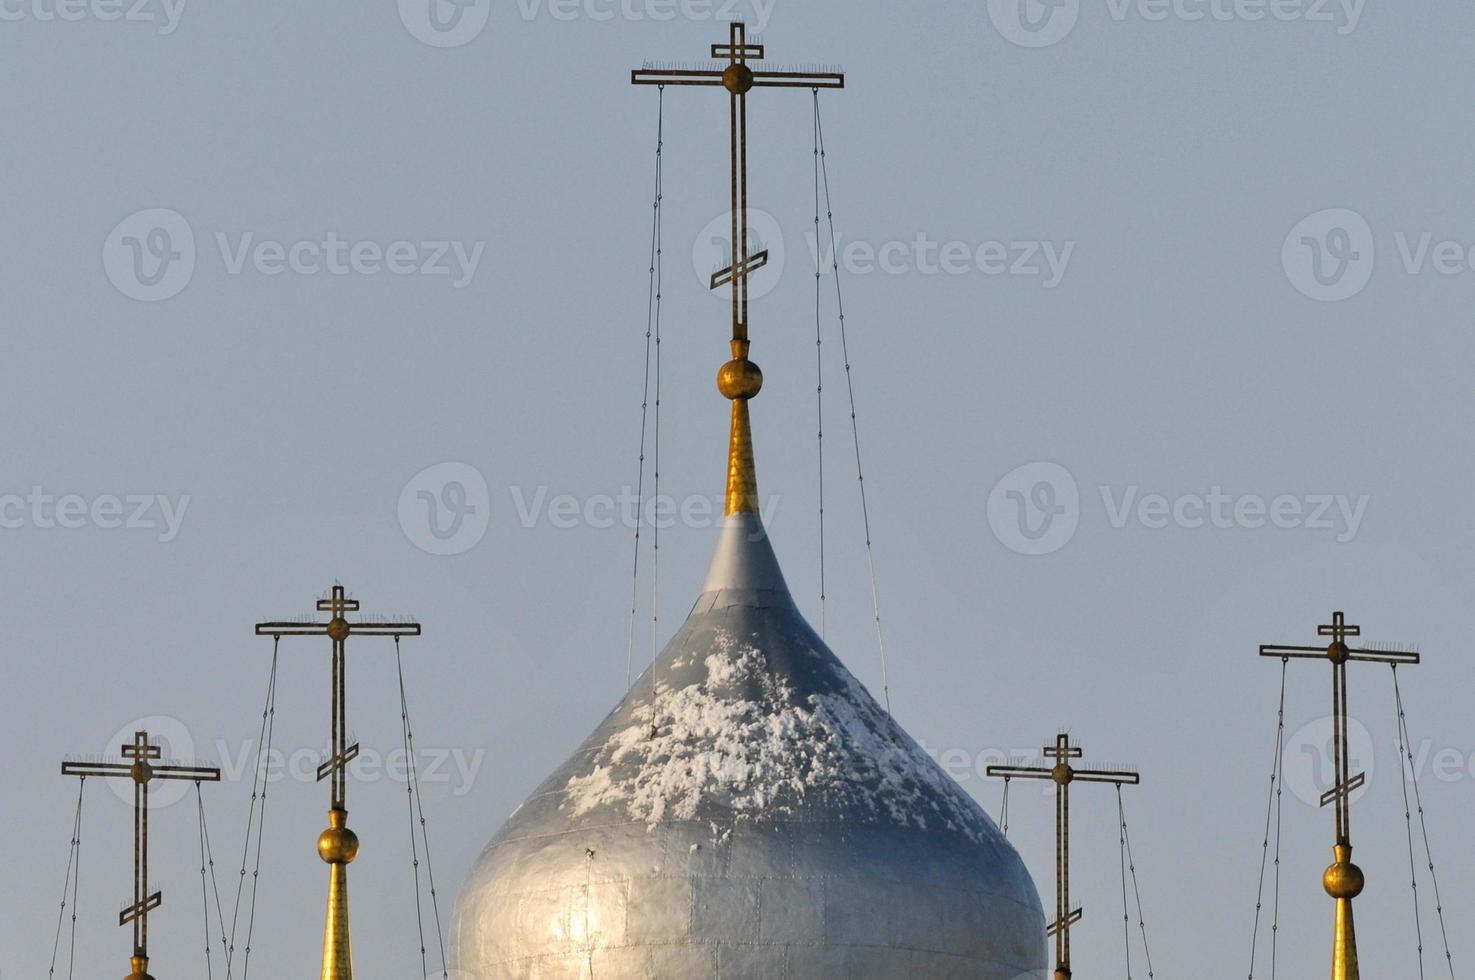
(1176,353)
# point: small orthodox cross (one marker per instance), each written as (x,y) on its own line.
(338,628)
(142,770)
(1063,774)
(1343,881)
(738,79)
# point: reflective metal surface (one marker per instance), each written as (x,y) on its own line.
(749,810)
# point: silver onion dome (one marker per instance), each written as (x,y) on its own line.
(748,810)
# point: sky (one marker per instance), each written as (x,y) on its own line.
(1158,323)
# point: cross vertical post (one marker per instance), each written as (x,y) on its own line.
(142,770)
(1063,774)
(1343,881)
(338,846)
(739,379)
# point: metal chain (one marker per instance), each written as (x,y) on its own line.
(655,537)
(1136,889)
(417,810)
(1272,809)
(850,388)
(258,782)
(819,381)
(1122,857)
(1004,810)
(204,888)
(653,303)
(1406,744)
(214,882)
(74,862)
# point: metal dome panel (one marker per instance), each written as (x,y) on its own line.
(749,810)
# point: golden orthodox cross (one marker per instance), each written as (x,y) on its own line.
(143,770)
(338,628)
(1063,774)
(338,845)
(1343,881)
(739,379)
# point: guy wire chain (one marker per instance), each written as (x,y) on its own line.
(1423,826)
(1272,808)
(1136,889)
(819,384)
(850,387)
(74,862)
(653,301)
(655,530)
(258,782)
(214,882)
(204,889)
(1405,774)
(417,810)
(1122,858)
(1004,811)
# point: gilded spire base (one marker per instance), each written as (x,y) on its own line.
(337,846)
(140,967)
(1344,881)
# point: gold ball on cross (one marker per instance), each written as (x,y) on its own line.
(739,378)
(737,79)
(338,629)
(338,844)
(1343,880)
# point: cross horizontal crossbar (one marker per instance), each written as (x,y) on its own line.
(140,909)
(1100,776)
(1020,772)
(728,52)
(338,762)
(1352,786)
(1070,920)
(321,629)
(713,78)
(119,770)
(1320,653)
(752,264)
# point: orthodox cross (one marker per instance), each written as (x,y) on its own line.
(338,845)
(142,770)
(1063,774)
(1343,881)
(739,379)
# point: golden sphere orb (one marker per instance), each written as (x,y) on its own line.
(141,771)
(1062,773)
(739,379)
(1337,652)
(338,629)
(737,79)
(1343,880)
(338,845)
